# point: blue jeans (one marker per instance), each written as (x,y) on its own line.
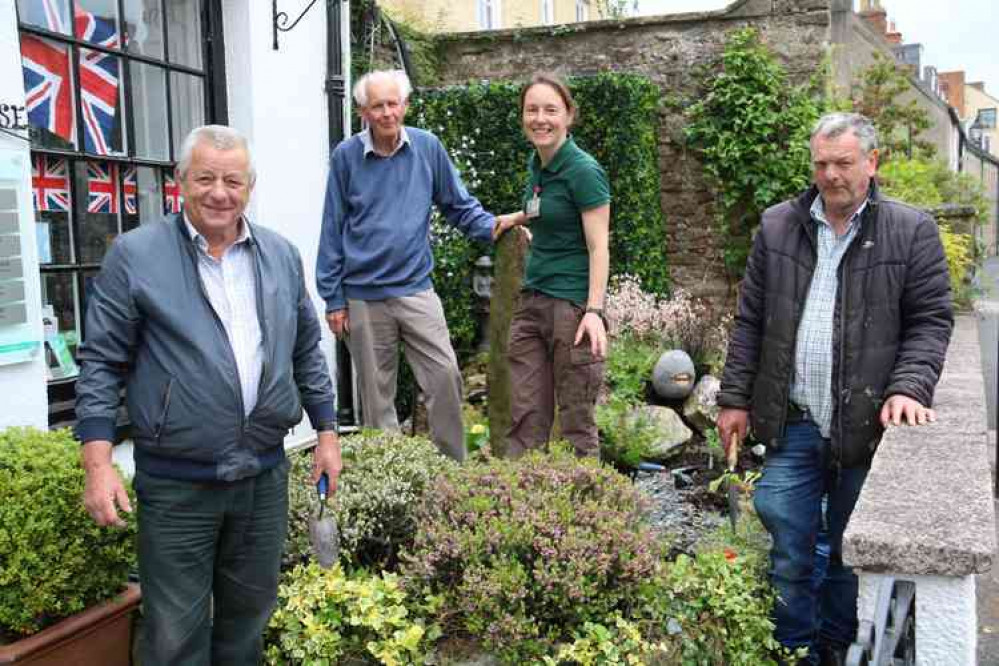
(806,508)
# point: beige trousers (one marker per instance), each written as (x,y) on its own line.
(417,321)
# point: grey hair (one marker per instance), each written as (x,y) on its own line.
(833,125)
(396,75)
(220,137)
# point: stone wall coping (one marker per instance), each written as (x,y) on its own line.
(927,507)
(952,210)
(737,9)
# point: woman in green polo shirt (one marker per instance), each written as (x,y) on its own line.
(558,340)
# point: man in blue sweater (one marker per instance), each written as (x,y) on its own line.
(374,263)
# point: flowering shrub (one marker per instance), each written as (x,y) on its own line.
(524,553)
(326,617)
(679,321)
(385,477)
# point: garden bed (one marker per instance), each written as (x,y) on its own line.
(546,560)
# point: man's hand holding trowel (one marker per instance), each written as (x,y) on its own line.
(733,425)
(326,466)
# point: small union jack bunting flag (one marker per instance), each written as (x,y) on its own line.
(49,183)
(131,188)
(172,198)
(102,187)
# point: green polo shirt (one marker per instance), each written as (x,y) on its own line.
(558,263)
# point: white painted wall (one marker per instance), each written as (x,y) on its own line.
(23,399)
(277,99)
(946,615)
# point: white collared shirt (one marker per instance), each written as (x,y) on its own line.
(231,285)
(369,146)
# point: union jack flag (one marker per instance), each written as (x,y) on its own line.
(47,86)
(102,187)
(172,199)
(130,187)
(98,81)
(49,183)
(46,70)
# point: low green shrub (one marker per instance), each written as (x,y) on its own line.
(524,553)
(616,641)
(927,183)
(628,370)
(385,477)
(326,617)
(715,605)
(626,437)
(54,559)
(960,252)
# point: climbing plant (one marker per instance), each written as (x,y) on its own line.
(751,126)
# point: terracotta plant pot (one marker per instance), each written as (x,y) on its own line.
(98,636)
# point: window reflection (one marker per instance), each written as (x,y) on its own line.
(184,32)
(48,14)
(187,102)
(149,116)
(144,27)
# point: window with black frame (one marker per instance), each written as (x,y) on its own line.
(112,88)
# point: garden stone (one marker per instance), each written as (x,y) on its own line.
(700,408)
(511,251)
(673,376)
(671,432)
(681,478)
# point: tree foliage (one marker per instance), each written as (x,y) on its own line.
(878,95)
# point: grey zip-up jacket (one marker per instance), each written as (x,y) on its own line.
(150,325)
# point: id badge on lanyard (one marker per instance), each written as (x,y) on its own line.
(533,208)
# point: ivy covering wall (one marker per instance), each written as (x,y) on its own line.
(480,126)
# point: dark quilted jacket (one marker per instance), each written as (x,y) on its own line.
(892,321)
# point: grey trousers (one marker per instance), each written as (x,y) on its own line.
(376,329)
(205,545)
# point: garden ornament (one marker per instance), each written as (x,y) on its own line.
(323,533)
(733,486)
(673,377)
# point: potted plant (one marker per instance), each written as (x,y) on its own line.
(64,592)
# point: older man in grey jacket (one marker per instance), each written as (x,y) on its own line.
(206,320)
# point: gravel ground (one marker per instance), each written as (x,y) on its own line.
(684,515)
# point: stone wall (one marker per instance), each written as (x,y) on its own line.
(669,50)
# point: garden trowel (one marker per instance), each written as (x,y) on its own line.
(733,486)
(323,533)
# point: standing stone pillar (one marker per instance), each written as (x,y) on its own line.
(511,251)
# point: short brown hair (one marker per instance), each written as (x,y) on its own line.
(557,84)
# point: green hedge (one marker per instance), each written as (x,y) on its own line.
(480,126)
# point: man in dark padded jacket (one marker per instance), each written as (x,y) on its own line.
(843,323)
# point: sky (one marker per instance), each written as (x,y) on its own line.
(955,34)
